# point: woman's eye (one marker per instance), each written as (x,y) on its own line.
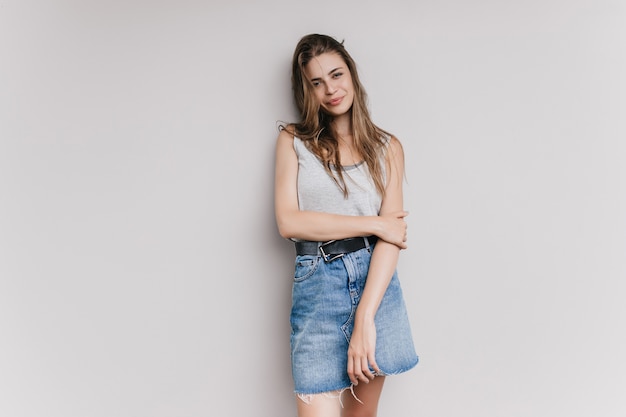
(337,74)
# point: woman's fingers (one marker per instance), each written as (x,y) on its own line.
(359,370)
(395,231)
(362,365)
(351,371)
(373,365)
(365,370)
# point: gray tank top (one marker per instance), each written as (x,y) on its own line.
(317,191)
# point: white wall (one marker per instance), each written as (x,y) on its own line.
(141,273)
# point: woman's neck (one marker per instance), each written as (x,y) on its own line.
(342,125)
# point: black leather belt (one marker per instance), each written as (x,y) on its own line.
(334,249)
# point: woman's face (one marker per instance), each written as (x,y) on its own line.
(331,82)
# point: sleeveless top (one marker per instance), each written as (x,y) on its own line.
(317,191)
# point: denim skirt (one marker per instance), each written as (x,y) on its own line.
(325,296)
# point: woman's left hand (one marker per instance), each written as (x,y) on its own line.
(361,353)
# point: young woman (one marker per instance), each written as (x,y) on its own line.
(338,196)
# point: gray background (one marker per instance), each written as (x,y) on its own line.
(141,273)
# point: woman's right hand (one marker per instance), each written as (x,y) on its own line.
(393,228)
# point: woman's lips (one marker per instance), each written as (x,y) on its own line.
(335,101)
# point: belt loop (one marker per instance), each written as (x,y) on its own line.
(368,243)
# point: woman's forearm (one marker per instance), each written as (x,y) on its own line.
(382,267)
(316,226)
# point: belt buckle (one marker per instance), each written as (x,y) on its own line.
(327,256)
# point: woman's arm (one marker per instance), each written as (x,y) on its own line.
(361,353)
(316,226)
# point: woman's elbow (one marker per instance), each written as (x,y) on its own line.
(284,230)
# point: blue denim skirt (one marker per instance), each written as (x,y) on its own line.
(325,296)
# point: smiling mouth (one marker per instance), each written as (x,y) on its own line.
(336,101)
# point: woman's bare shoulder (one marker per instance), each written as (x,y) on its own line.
(394,149)
(286,132)
(394,143)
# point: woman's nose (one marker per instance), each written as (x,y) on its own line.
(330,88)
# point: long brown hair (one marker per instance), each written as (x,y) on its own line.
(315,128)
